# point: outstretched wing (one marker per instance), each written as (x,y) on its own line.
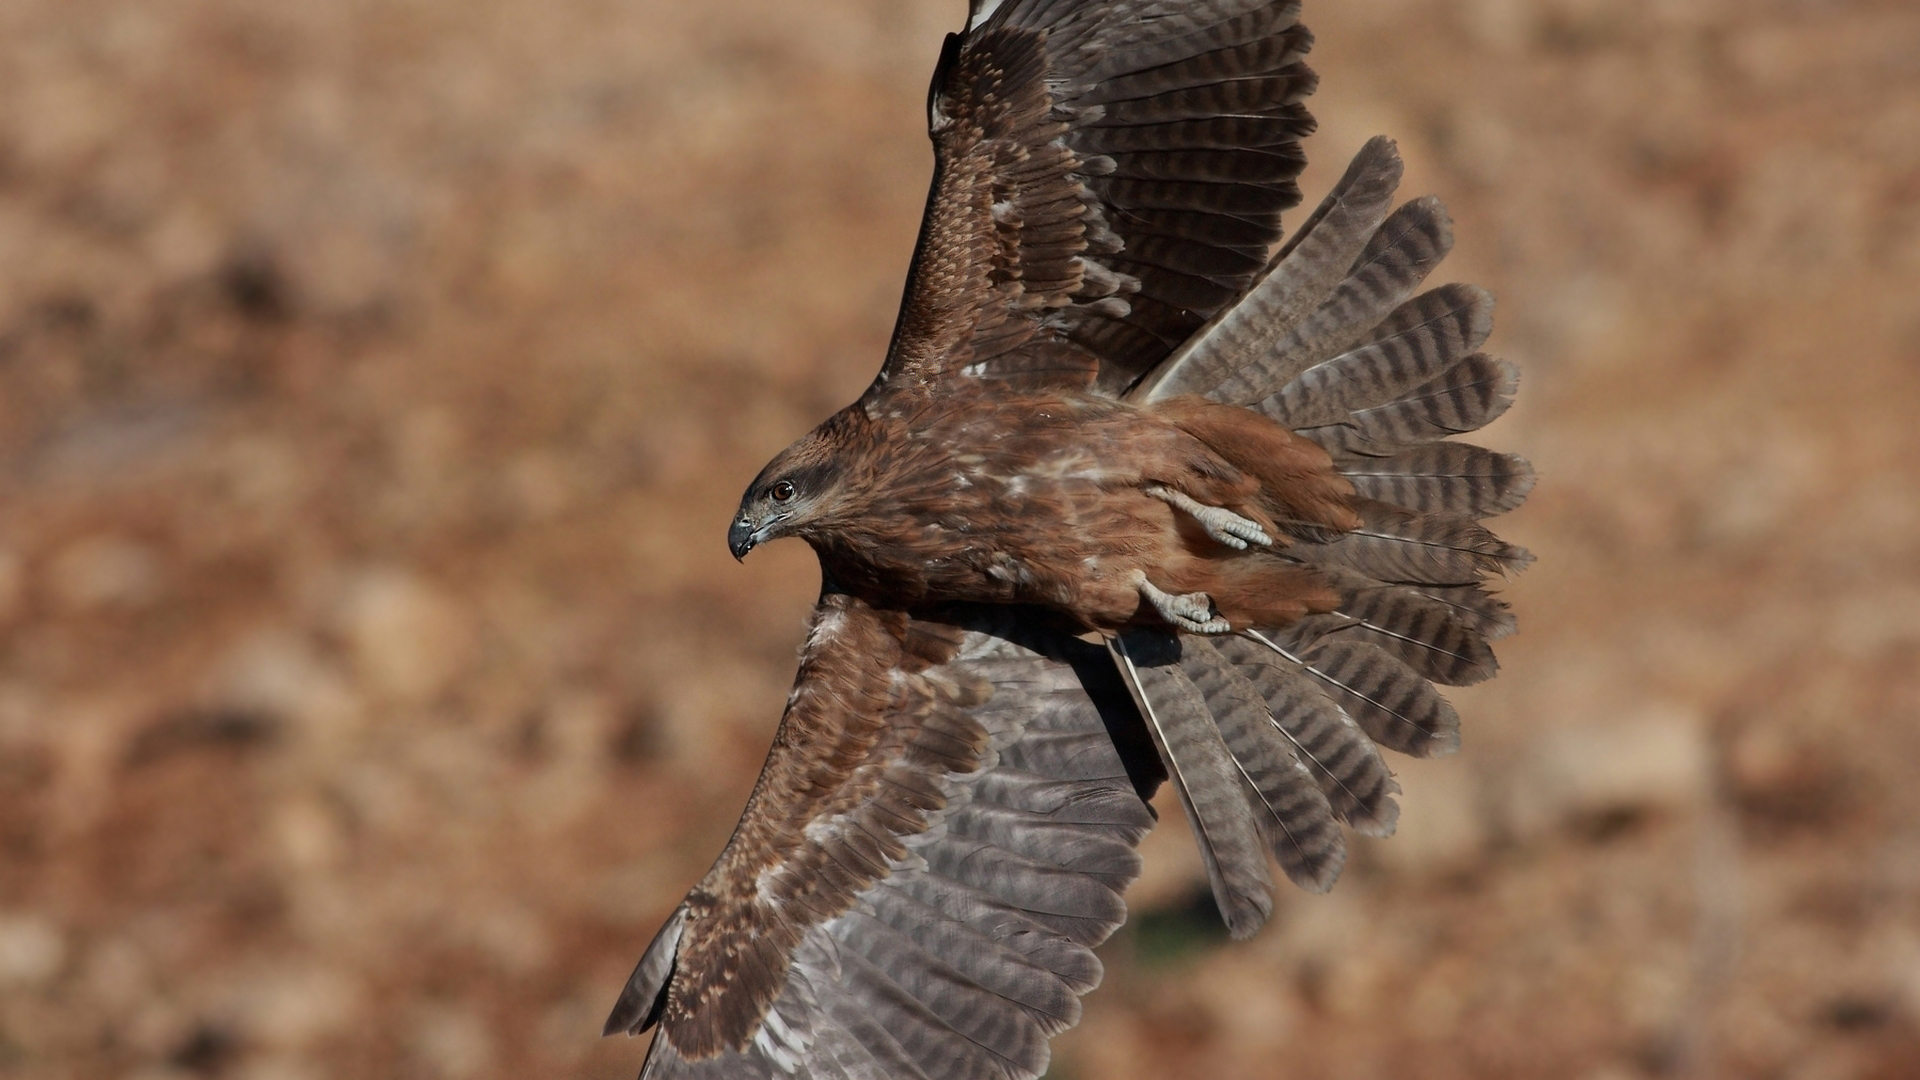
(1108,176)
(940,836)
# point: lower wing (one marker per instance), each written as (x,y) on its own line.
(940,837)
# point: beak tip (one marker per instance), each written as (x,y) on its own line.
(740,540)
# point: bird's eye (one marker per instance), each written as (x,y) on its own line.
(782,491)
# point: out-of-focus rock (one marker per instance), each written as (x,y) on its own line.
(1770,759)
(541,484)
(1654,995)
(1502,25)
(103,572)
(429,448)
(278,673)
(565,1022)
(697,717)
(1901,957)
(453,1042)
(265,474)
(1437,998)
(1763,489)
(308,835)
(12,581)
(645,891)
(1256,1011)
(1339,953)
(1785,776)
(295,1007)
(408,638)
(160,1072)
(1657,759)
(1878,619)
(185,243)
(32,950)
(574,734)
(1171,870)
(118,975)
(282,1066)
(1443,823)
(514,937)
(342,270)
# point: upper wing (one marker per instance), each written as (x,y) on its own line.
(1108,175)
(940,835)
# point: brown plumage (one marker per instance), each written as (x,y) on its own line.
(1045,497)
(1135,498)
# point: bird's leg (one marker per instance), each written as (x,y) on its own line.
(1220,523)
(1189,611)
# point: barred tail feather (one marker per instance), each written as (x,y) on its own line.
(1419,341)
(1204,776)
(1293,813)
(1343,760)
(1390,701)
(1398,257)
(1298,279)
(1444,477)
(1393,544)
(1433,638)
(1466,397)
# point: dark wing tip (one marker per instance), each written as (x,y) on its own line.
(644,997)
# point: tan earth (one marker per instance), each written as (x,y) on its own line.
(376,380)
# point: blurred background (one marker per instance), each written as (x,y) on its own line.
(377,376)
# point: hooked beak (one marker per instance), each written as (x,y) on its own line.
(742,537)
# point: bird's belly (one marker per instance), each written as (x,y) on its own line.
(1070,546)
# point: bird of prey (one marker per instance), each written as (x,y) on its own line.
(1140,495)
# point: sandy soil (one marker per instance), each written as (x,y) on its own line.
(376,380)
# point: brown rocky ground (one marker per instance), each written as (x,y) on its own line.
(376,378)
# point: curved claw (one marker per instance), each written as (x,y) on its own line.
(1220,523)
(1192,612)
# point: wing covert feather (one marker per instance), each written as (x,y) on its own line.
(1107,176)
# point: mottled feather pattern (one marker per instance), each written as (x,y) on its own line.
(858,785)
(991,893)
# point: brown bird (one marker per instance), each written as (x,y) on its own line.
(1135,497)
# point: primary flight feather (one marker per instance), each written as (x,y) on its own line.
(1135,497)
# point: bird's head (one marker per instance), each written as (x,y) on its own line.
(790,497)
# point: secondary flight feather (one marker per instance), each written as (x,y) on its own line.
(1140,494)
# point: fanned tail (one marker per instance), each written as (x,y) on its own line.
(1336,344)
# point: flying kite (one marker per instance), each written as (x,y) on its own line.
(1137,497)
